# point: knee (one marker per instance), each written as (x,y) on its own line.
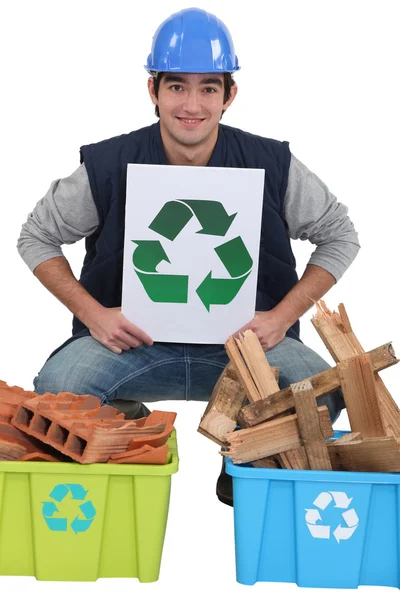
(80,367)
(48,382)
(55,379)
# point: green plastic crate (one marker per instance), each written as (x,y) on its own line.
(73,522)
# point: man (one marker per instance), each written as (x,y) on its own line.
(191,86)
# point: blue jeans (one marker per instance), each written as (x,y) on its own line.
(165,371)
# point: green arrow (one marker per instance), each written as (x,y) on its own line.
(171,219)
(175,214)
(148,254)
(235,257)
(212,216)
(161,287)
(219,291)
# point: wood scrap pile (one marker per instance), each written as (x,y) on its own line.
(286,428)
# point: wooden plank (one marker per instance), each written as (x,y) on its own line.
(323,383)
(261,374)
(216,426)
(228,372)
(257,363)
(358,387)
(245,379)
(333,334)
(345,321)
(228,395)
(310,426)
(211,437)
(389,410)
(220,415)
(348,437)
(270,438)
(265,463)
(294,459)
(267,384)
(369,455)
(338,336)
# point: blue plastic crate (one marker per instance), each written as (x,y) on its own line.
(321,529)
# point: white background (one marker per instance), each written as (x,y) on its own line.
(320,74)
(240,191)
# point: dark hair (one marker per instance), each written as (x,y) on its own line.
(228,83)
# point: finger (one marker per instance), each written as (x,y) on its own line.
(114,349)
(110,345)
(130,340)
(123,345)
(116,342)
(136,332)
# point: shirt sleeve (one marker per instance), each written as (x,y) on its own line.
(313,213)
(66,214)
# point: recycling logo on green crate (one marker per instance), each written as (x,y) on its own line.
(169,222)
(52,510)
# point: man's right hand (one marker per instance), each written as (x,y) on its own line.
(109,327)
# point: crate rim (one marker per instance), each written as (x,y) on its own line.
(75,468)
(247,471)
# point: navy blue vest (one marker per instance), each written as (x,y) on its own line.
(106,164)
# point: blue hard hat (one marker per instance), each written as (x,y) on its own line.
(192,41)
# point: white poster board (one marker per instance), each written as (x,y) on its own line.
(207,290)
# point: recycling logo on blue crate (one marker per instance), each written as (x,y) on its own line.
(342,521)
(71,494)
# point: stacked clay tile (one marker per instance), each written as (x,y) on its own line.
(67,427)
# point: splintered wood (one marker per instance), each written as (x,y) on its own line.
(358,386)
(256,369)
(271,438)
(286,428)
(323,383)
(220,416)
(337,334)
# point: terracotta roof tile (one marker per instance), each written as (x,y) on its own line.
(38,457)
(143,455)
(80,428)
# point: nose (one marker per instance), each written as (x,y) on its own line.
(192,103)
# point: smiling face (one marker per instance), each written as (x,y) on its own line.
(190,107)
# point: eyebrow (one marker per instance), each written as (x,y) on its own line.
(179,79)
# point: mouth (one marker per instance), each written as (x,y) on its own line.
(190,123)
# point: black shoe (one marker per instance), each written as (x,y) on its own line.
(224,487)
(131,409)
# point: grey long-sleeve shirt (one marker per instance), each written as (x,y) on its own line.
(67,213)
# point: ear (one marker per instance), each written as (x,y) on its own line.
(150,87)
(234,91)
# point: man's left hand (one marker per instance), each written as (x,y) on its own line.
(268,328)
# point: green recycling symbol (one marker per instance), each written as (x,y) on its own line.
(169,222)
(69,491)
